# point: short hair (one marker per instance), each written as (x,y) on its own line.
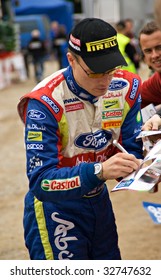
(149,28)
(120,25)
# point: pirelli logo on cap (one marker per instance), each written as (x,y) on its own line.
(101,44)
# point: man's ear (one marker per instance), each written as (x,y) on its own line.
(70,58)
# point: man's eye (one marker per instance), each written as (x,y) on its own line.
(147,51)
(158,48)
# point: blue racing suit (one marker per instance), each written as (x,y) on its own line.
(68,213)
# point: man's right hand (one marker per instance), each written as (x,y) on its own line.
(120,165)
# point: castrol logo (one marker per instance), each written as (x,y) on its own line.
(60,184)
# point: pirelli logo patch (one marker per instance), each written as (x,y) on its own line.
(60,185)
(111,124)
(101,44)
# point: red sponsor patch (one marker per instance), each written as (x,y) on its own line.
(74,107)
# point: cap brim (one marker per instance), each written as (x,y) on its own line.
(101,64)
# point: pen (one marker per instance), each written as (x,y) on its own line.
(115,143)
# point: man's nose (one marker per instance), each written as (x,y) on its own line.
(154,53)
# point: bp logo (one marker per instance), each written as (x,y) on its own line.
(138,117)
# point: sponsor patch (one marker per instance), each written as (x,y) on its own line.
(138,117)
(110,104)
(112,94)
(35,146)
(117,85)
(34,162)
(134,89)
(35,127)
(101,44)
(74,107)
(93,141)
(51,103)
(61,184)
(36,115)
(62,236)
(71,100)
(111,124)
(111,114)
(34,136)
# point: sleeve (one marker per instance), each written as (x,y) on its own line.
(132,124)
(151,90)
(48,180)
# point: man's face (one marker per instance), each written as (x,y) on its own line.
(151,48)
(95,86)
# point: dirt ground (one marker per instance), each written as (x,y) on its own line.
(139,237)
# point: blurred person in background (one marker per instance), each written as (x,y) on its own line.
(129,23)
(37,50)
(127,48)
(59,43)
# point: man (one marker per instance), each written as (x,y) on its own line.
(71,119)
(38,51)
(129,23)
(126,47)
(59,43)
(150,43)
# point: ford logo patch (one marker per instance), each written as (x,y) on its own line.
(36,115)
(117,85)
(93,141)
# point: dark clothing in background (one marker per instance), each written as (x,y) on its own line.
(131,52)
(37,50)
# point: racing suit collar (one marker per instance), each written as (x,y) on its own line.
(76,89)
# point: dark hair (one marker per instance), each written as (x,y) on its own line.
(149,28)
(120,25)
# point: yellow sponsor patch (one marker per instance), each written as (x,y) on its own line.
(101,44)
(34,136)
(110,104)
(111,124)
